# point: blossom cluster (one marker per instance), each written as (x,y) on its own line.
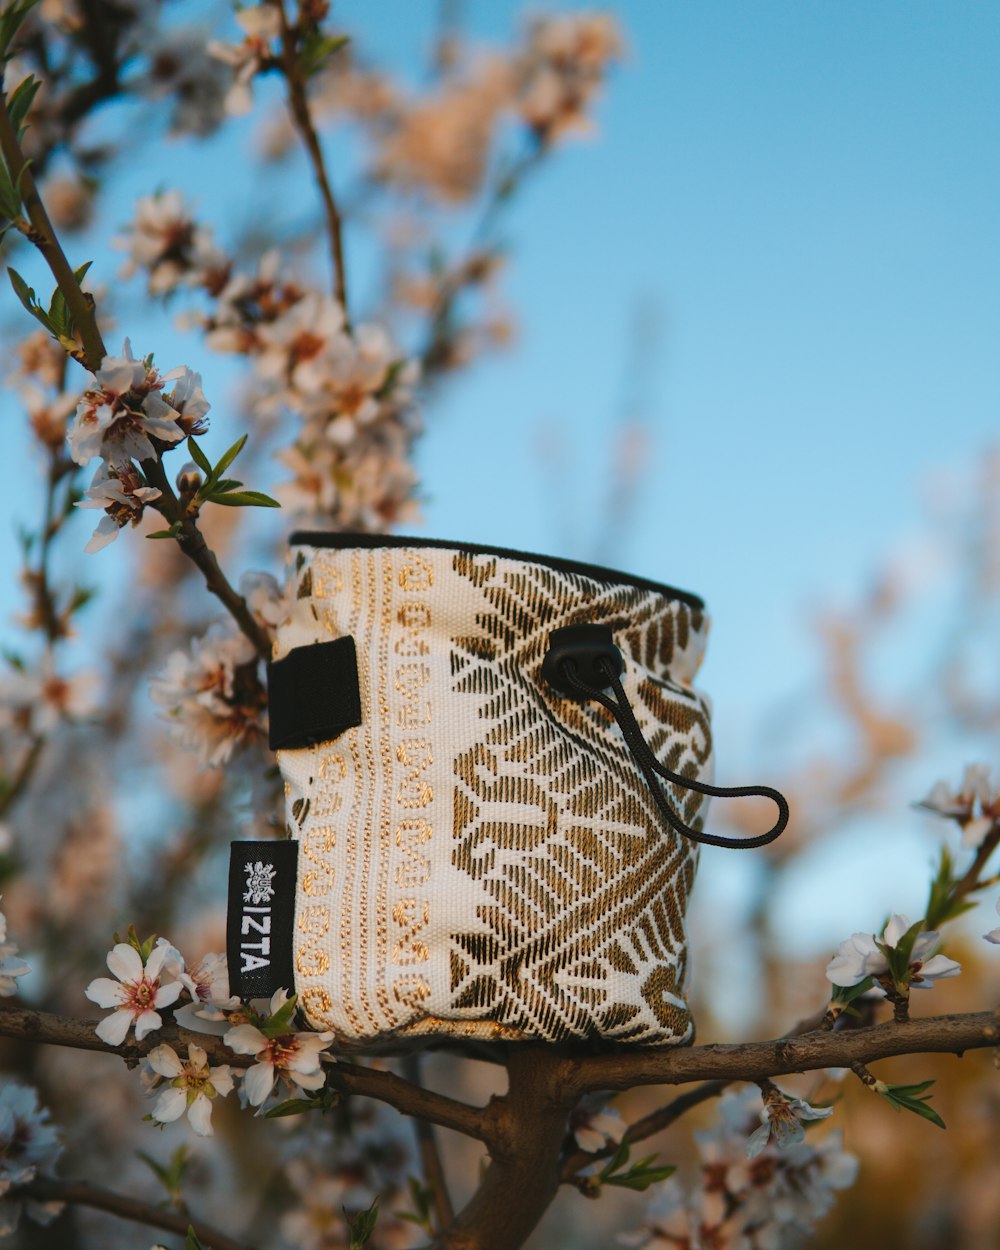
(351,390)
(148,978)
(748,1203)
(126,416)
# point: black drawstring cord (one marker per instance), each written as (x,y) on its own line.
(651,766)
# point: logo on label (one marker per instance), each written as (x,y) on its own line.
(259,878)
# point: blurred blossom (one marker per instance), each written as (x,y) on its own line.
(182,69)
(994,934)
(974,807)
(783,1121)
(34,701)
(211,696)
(262,25)
(29,1144)
(763,1203)
(165,242)
(10,966)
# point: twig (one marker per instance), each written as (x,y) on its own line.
(39,230)
(298,104)
(192,542)
(49,1189)
(430,1156)
(648,1126)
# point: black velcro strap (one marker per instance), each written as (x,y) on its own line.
(313,694)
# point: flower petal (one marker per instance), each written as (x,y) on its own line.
(113,1029)
(757,1140)
(200,1115)
(146,1022)
(259,1082)
(167,994)
(105,992)
(165,1060)
(170,1105)
(245,1040)
(125,962)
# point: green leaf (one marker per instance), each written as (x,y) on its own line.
(10,201)
(23,292)
(317,50)
(20,100)
(640,1178)
(174,530)
(912,1098)
(81,273)
(10,22)
(243,499)
(171,1175)
(845,994)
(225,486)
(281,1021)
(361,1226)
(324,1100)
(191,1241)
(228,457)
(199,457)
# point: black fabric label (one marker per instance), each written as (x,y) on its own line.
(261,911)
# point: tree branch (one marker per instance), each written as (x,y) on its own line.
(298,104)
(348,1078)
(430,1156)
(49,1189)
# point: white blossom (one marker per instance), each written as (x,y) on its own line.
(121,411)
(191,1086)
(294,1056)
(120,492)
(859,957)
(136,995)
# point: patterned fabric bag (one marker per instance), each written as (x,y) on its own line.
(474,744)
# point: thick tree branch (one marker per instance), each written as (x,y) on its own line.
(752,1061)
(49,1189)
(348,1078)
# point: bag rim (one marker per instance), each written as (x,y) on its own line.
(596,572)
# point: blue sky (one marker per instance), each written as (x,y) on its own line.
(809,193)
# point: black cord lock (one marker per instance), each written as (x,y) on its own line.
(591,649)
